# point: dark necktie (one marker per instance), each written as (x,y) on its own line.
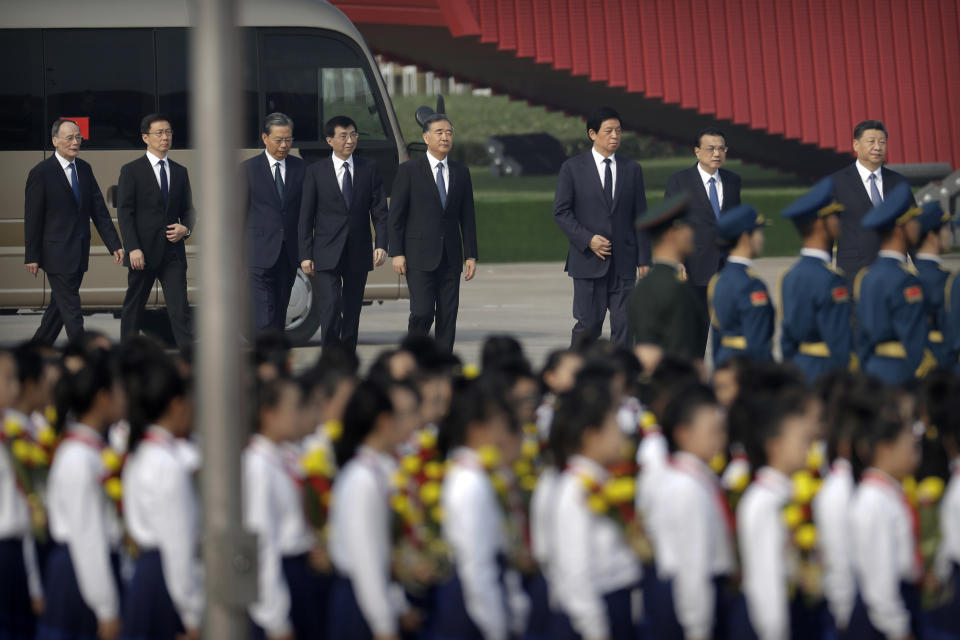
(874,192)
(441,185)
(347,187)
(278,179)
(74,183)
(164,185)
(714,197)
(608,182)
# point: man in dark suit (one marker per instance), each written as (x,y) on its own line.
(155,210)
(712,190)
(342,193)
(62,196)
(860,187)
(274,181)
(433,232)
(598,199)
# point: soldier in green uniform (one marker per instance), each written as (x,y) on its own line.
(665,314)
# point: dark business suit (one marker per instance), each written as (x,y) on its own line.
(435,239)
(581,210)
(337,238)
(857,247)
(272,243)
(143,220)
(57,237)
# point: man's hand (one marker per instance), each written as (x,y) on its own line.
(118,256)
(683,272)
(108,629)
(400,265)
(307,266)
(469,269)
(38,605)
(33,268)
(191,634)
(642,271)
(137,262)
(600,246)
(176,232)
(379,257)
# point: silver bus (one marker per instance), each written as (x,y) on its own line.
(109,62)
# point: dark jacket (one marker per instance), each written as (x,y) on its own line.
(56,229)
(271,223)
(328,229)
(581,211)
(420,227)
(142,215)
(664,310)
(707,258)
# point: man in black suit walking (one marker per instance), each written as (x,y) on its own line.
(62,196)
(713,190)
(599,197)
(860,187)
(274,181)
(433,232)
(342,193)
(155,210)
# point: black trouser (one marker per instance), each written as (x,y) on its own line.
(340,296)
(270,293)
(704,303)
(63,310)
(435,295)
(592,297)
(172,274)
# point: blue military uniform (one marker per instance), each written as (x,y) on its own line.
(815,307)
(891,316)
(933,277)
(951,320)
(740,310)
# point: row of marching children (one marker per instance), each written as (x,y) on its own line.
(427,499)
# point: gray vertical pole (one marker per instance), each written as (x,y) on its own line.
(229,555)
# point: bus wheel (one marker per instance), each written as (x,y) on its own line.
(303,312)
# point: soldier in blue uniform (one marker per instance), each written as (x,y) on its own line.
(815,308)
(740,310)
(951,315)
(935,239)
(891,319)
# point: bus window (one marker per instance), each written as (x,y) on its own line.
(312,78)
(106,75)
(21,90)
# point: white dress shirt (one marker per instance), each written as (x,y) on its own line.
(161,512)
(474,529)
(541,516)
(820,254)
(67,171)
(949,551)
(653,457)
(695,542)
(272,162)
(15,521)
(865,178)
(589,556)
(273,510)
(831,511)
(83,518)
(433,170)
(155,163)
(883,548)
(338,170)
(602,168)
(360,535)
(767,565)
(705,177)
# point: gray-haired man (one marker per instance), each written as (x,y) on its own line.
(274,180)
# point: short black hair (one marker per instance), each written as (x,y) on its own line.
(682,408)
(672,373)
(149,119)
(76,391)
(498,349)
(436,117)
(368,402)
(269,393)
(867,125)
(337,121)
(884,424)
(600,116)
(804,225)
(709,131)
(30,362)
(579,410)
(59,122)
(477,400)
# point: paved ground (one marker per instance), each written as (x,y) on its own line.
(530,301)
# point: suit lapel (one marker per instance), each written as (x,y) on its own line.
(355,178)
(151,179)
(425,163)
(271,180)
(590,165)
(696,187)
(618,183)
(450,181)
(854,177)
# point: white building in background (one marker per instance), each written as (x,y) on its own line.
(409,80)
